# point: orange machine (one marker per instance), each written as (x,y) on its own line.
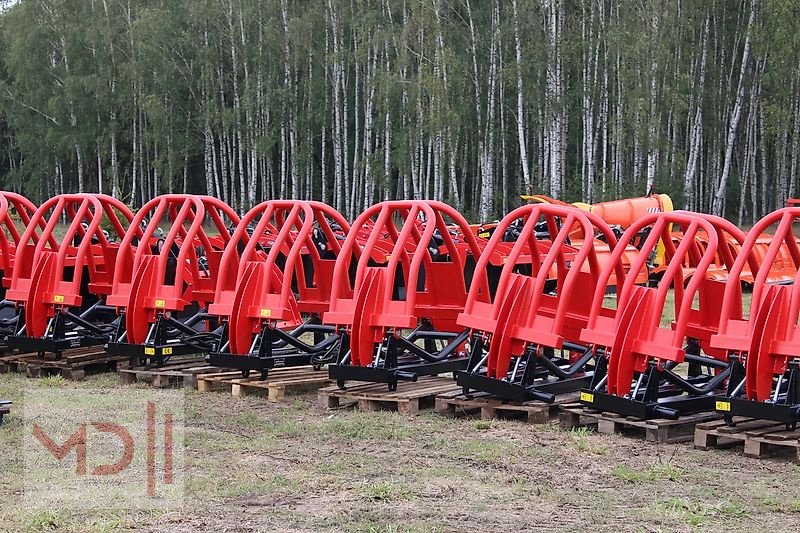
(619,215)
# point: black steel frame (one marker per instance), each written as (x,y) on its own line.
(276,348)
(660,392)
(164,339)
(538,375)
(783,407)
(403,359)
(64,331)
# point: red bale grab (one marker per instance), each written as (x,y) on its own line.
(60,284)
(15,211)
(638,377)
(163,288)
(534,313)
(764,348)
(420,285)
(277,281)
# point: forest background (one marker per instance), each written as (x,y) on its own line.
(354,101)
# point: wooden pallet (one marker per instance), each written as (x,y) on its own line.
(408,399)
(179,372)
(5,408)
(278,382)
(659,430)
(18,361)
(73,364)
(455,404)
(760,438)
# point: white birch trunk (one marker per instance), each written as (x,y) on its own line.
(733,125)
(488,182)
(523,150)
(696,129)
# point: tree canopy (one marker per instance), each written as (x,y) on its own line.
(355,101)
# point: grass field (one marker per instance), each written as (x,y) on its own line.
(255,466)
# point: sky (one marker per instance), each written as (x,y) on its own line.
(5,4)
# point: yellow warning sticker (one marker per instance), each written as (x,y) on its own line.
(149,351)
(724,406)
(166,351)
(265,313)
(160,303)
(58,298)
(484,235)
(587,397)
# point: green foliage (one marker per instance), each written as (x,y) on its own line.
(242,101)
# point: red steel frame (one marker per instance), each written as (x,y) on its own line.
(11,204)
(153,285)
(533,315)
(277,281)
(47,282)
(764,347)
(10,235)
(421,285)
(638,349)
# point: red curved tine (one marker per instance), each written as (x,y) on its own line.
(163,286)
(49,273)
(411,278)
(537,312)
(641,354)
(14,209)
(764,347)
(11,205)
(278,267)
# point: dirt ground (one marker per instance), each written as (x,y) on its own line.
(257,466)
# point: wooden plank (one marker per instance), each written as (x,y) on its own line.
(746,425)
(5,408)
(758,438)
(408,399)
(74,359)
(455,403)
(275,387)
(782,435)
(74,364)
(653,430)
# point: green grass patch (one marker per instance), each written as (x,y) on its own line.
(255,486)
(368,426)
(387,491)
(483,450)
(659,472)
(45,521)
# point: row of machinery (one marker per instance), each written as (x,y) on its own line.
(553,298)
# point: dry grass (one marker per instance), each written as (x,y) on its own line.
(254,466)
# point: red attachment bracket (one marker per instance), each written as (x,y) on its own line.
(632,333)
(11,205)
(281,247)
(417,278)
(144,283)
(769,336)
(49,270)
(521,313)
